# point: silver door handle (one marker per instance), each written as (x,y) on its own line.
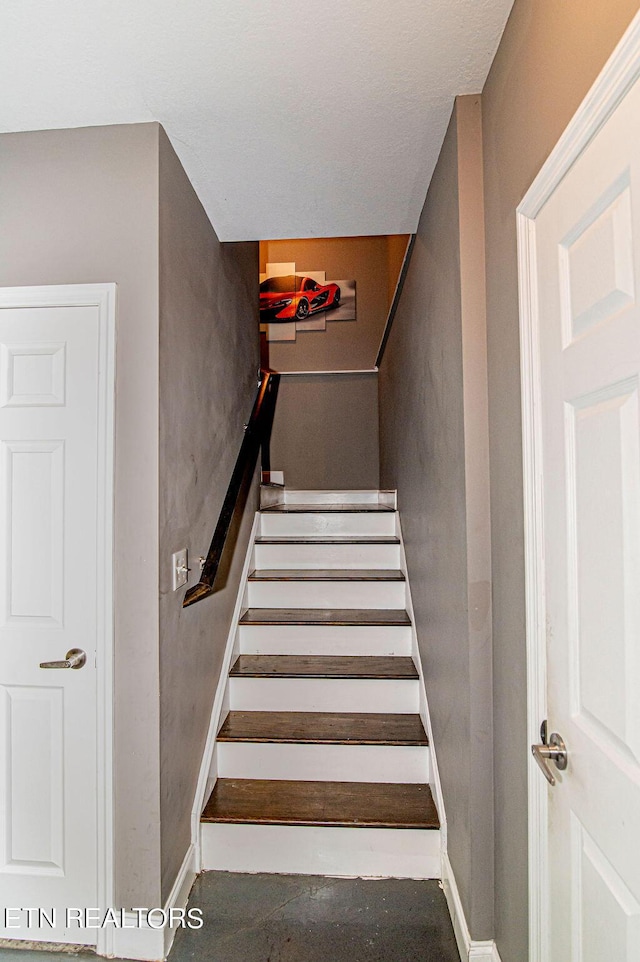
(555,751)
(75,658)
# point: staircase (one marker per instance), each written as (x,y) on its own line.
(322,763)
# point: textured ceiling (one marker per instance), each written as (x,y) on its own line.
(292,118)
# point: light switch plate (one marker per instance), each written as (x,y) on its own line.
(179,568)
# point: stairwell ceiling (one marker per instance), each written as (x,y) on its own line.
(292,118)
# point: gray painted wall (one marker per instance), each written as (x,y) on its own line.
(549,56)
(209,356)
(106,204)
(81,206)
(434,450)
(325,432)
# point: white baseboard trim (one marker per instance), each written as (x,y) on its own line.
(487,951)
(436,786)
(206,778)
(143,942)
(471,950)
(179,895)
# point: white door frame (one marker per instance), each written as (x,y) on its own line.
(619,73)
(102,296)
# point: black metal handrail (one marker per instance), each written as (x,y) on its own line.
(257,433)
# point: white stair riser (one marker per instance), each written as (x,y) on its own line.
(327,594)
(312,850)
(324,640)
(324,694)
(332,763)
(292,496)
(365,523)
(327,556)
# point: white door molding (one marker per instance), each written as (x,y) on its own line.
(103,297)
(618,75)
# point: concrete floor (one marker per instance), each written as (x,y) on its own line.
(301,918)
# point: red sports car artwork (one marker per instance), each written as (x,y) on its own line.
(294,298)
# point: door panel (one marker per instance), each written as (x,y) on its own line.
(596,882)
(33,474)
(34,374)
(596,262)
(33,842)
(603,466)
(588,271)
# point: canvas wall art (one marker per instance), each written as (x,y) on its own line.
(294,300)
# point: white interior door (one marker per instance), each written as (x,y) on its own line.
(52,590)
(587,246)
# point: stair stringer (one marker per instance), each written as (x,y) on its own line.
(434,781)
(208,773)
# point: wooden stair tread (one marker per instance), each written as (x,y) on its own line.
(325,616)
(324,666)
(326,574)
(327,539)
(348,804)
(323,728)
(358,508)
